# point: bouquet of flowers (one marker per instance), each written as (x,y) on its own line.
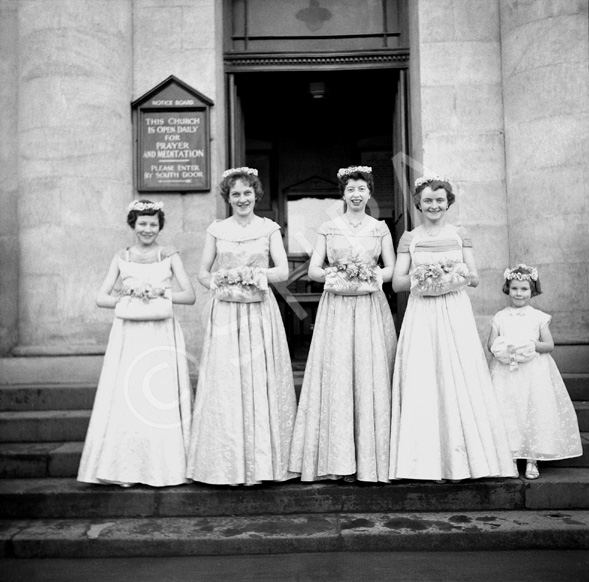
(351,276)
(144,302)
(512,351)
(438,278)
(240,285)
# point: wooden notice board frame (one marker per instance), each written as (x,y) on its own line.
(171,126)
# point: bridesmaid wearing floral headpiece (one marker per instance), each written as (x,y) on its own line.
(343,421)
(445,418)
(245,400)
(141,416)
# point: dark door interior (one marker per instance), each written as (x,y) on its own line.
(298,128)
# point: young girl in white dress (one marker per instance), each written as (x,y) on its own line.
(140,421)
(540,417)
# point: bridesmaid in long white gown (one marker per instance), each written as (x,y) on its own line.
(445,421)
(245,400)
(343,421)
(138,431)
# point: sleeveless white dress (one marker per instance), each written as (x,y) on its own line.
(446,422)
(140,421)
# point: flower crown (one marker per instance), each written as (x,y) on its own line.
(242,170)
(431,178)
(352,169)
(530,273)
(141,206)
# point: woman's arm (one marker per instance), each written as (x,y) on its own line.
(104,297)
(473,276)
(493,335)
(401,279)
(388,258)
(186,294)
(279,272)
(316,270)
(546,343)
(209,253)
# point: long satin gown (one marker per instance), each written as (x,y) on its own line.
(446,422)
(343,421)
(140,421)
(245,401)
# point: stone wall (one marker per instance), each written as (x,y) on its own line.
(82,63)
(8,176)
(457,126)
(546,86)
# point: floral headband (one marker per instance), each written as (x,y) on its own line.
(243,170)
(529,273)
(352,169)
(431,178)
(141,206)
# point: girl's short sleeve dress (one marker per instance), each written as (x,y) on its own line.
(539,415)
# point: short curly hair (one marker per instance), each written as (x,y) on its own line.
(434,185)
(133,214)
(357,175)
(251,179)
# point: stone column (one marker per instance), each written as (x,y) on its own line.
(185,38)
(457,126)
(8,176)
(546,81)
(75,166)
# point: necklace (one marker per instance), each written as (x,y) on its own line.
(355,223)
(433,233)
(245,224)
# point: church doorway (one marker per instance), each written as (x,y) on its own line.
(297,129)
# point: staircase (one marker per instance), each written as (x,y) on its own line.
(45,512)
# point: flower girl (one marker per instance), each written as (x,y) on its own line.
(539,415)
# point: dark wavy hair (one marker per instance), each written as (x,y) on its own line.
(356,175)
(251,179)
(535,286)
(133,214)
(434,185)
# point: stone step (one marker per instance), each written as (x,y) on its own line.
(43,425)
(47,397)
(577,386)
(271,534)
(80,396)
(34,460)
(61,459)
(557,488)
(582,410)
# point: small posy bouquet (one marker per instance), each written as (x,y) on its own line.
(144,302)
(438,278)
(240,285)
(351,276)
(513,351)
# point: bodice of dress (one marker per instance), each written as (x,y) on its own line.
(364,244)
(523,323)
(237,247)
(158,274)
(426,249)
